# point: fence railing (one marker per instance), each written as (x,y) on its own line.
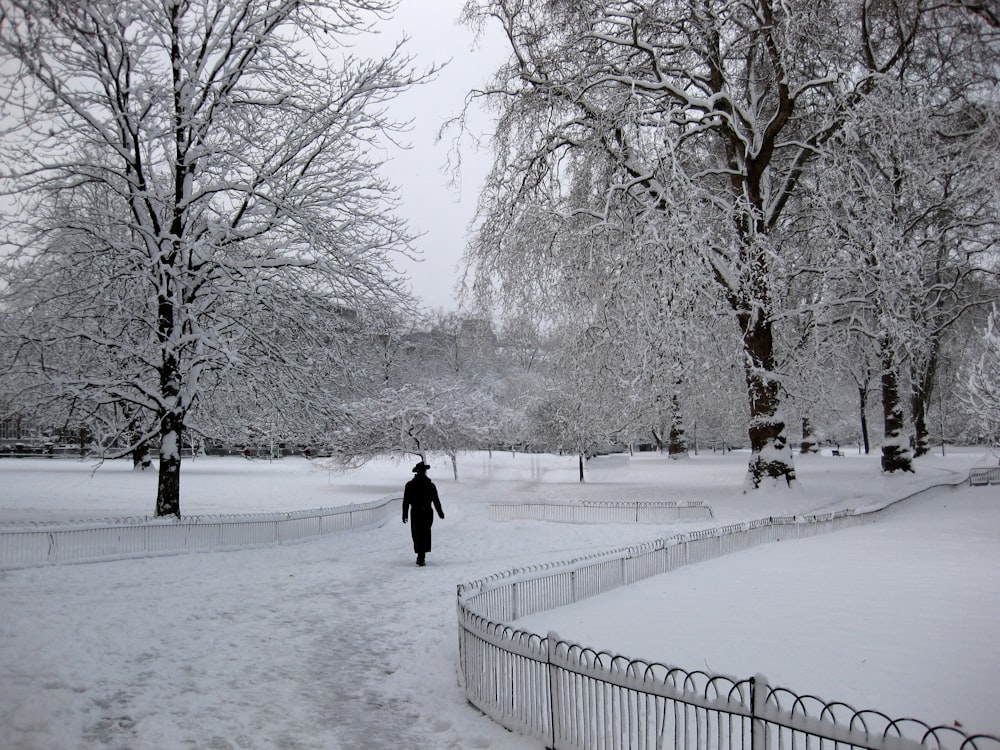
(29,544)
(602,511)
(981,475)
(575,698)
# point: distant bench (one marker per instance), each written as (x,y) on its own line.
(983,475)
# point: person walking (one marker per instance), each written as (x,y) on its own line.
(420,501)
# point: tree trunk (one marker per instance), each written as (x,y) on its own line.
(896,453)
(918,411)
(677,446)
(657,439)
(140,456)
(923,385)
(168,487)
(771,456)
(581,467)
(659,427)
(863,405)
(808,438)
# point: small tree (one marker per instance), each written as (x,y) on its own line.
(416,418)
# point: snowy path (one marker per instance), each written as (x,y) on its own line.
(335,643)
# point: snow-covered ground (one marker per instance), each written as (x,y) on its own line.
(901,616)
(341,642)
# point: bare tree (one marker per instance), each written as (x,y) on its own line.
(206,158)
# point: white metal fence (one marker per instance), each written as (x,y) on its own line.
(600,511)
(573,697)
(984,475)
(30,544)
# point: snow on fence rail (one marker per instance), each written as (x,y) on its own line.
(575,698)
(28,544)
(602,511)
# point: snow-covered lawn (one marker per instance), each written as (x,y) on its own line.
(902,616)
(341,642)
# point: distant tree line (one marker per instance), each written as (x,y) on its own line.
(442,383)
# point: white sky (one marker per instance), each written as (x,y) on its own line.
(436,209)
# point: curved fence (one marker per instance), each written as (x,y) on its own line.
(29,544)
(601,511)
(573,697)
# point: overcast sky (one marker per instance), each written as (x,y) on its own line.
(440,211)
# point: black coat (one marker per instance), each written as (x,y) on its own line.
(420,501)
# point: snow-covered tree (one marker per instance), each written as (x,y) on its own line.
(719,104)
(444,416)
(981,396)
(186,165)
(713,110)
(648,313)
(575,414)
(910,182)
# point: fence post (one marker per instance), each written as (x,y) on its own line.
(758,703)
(551,640)
(461,636)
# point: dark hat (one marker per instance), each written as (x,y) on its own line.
(421,467)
